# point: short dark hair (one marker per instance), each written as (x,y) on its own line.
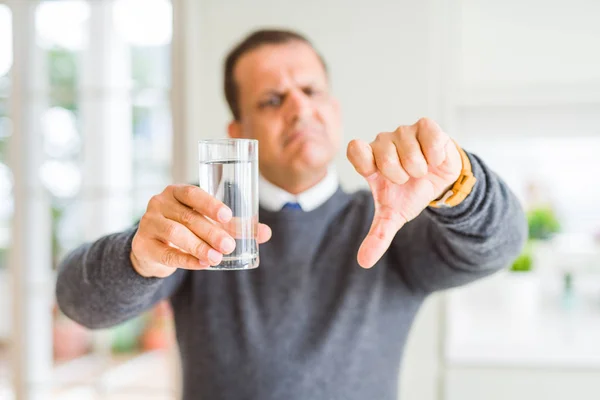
(253,41)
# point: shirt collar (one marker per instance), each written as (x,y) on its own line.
(273,198)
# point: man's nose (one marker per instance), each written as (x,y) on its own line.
(299,106)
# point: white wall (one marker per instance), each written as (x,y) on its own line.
(527,99)
(529,43)
(527,96)
(521,384)
(385,72)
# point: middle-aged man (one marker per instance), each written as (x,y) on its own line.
(309,322)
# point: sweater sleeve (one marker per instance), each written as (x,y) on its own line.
(98,287)
(448,247)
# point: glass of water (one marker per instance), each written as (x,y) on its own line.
(228,170)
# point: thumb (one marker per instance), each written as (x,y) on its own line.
(386,224)
(360,154)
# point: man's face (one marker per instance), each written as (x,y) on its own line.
(284,102)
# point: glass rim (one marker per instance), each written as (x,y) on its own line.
(226,141)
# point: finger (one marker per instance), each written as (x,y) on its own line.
(408,148)
(433,141)
(169,231)
(361,157)
(452,162)
(202,202)
(242,228)
(383,229)
(206,230)
(172,257)
(388,162)
(239,228)
(264,233)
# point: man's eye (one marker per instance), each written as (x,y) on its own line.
(274,101)
(310,91)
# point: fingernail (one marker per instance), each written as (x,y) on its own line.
(215,256)
(204,264)
(227,245)
(224,214)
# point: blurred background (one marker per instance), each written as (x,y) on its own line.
(101,104)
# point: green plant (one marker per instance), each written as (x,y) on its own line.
(127,335)
(542,223)
(62,74)
(523,263)
(57,214)
(3,257)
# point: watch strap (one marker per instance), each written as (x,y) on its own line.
(461,188)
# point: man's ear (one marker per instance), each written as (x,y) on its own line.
(234,130)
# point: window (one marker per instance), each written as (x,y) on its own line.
(6,198)
(5,129)
(102,88)
(61,36)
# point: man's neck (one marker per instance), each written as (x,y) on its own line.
(274,197)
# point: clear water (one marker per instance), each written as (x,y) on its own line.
(235,184)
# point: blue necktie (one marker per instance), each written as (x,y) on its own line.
(291,206)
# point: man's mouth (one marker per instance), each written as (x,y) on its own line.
(301,134)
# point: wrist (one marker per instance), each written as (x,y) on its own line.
(444,192)
(135,263)
(458,191)
(144,271)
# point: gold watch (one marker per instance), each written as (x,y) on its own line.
(461,188)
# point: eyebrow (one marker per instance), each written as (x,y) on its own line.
(271,92)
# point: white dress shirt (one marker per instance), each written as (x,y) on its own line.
(273,198)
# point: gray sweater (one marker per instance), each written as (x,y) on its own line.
(309,322)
